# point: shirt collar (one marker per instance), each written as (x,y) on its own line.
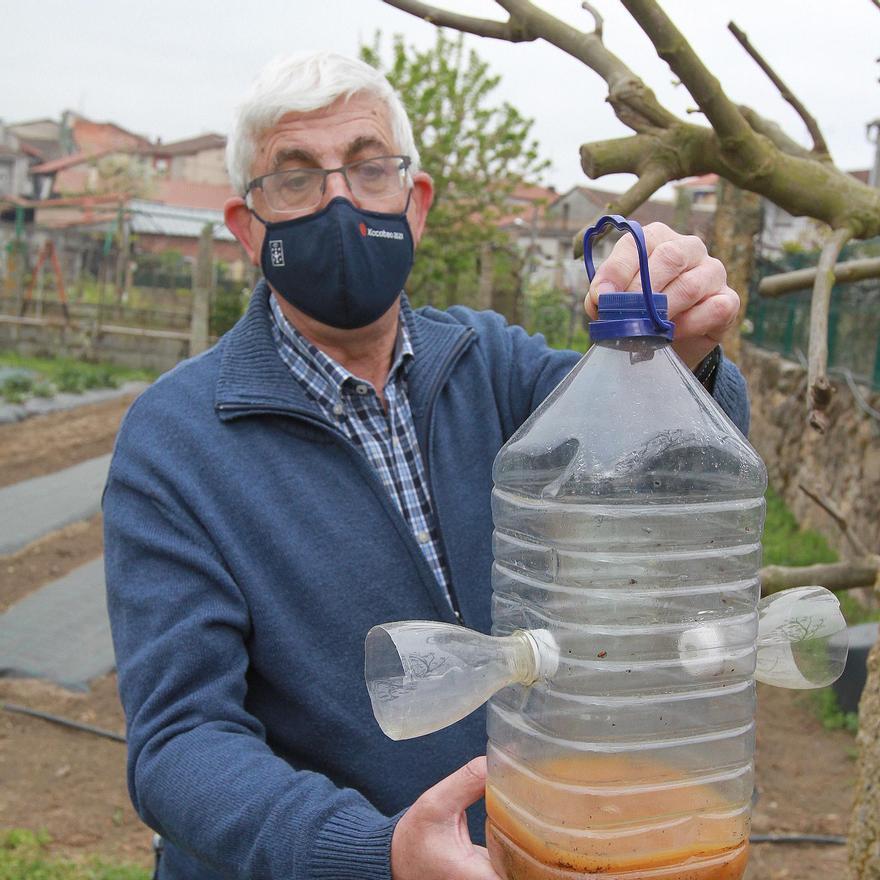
(324,368)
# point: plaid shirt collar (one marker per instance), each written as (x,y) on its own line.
(322,377)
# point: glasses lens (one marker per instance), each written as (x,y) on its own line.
(377,178)
(293,190)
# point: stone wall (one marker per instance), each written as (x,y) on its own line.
(78,340)
(843,464)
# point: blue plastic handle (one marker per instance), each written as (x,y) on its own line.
(635,228)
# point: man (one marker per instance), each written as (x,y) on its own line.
(326,467)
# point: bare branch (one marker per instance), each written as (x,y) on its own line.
(598,21)
(648,183)
(820,388)
(819,145)
(625,89)
(735,135)
(510,30)
(750,152)
(833,576)
(834,512)
(802,279)
(774,132)
(617,156)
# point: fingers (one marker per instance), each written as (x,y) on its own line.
(449,798)
(694,285)
(669,256)
(431,840)
(698,297)
(712,317)
(699,329)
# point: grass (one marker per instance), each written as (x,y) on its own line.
(785,543)
(45,377)
(24,856)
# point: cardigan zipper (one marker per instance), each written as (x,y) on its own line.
(442,376)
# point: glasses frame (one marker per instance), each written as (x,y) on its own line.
(257,182)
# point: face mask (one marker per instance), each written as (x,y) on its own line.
(342,266)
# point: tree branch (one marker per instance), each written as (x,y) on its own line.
(774,132)
(624,87)
(735,135)
(802,279)
(510,30)
(820,388)
(833,576)
(598,21)
(648,183)
(624,155)
(819,145)
(828,506)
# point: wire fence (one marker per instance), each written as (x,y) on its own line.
(782,324)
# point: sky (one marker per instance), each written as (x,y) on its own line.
(176,68)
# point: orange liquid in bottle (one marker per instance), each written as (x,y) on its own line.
(667,831)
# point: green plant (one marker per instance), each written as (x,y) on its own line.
(24,856)
(16,388)
(828,709)
(61,374)
(785,543)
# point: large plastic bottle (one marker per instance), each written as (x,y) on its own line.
(628,512)
(627,629)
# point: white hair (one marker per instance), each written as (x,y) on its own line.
(302,83)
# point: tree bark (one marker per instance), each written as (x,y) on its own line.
(864,827)
(833,575)
(737,223)
(802,279)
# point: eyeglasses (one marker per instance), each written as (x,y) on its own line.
(299,189)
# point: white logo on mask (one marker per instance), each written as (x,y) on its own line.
(276,252)
(384,233)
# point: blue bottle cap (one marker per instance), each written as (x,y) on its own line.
(627,314)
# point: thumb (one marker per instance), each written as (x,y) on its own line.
(597,286)
(450,797)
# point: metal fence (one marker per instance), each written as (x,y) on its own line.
(782,324)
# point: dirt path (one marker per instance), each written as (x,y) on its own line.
(43,444)
(73,784)
(49,558)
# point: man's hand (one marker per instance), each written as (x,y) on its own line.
(700,302)
(431,841)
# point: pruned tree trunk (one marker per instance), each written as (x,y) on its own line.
(737,223)
(864,827)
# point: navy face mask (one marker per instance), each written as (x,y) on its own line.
(343,266)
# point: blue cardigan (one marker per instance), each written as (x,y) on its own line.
(249,548)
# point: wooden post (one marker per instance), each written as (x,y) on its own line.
(486,277)
(121,257)
(737,222)
(201,292)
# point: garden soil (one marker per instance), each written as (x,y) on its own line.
(72,784)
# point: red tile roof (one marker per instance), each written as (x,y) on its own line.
(64,162)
